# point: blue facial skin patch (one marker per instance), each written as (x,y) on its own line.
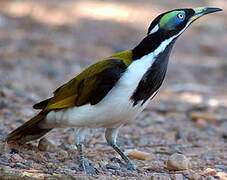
(180,20)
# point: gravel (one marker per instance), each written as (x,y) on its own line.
(113,166)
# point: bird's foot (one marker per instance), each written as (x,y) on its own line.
(129,165)
(87,168)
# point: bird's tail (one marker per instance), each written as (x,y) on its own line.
(29,130)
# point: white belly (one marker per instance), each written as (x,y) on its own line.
(115,109)
(101,115)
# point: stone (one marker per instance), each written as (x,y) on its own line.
(160,176)
(193,136)
(145,122)
(210,178)
(39,158)
(20,165)
(201,123)
(4,147)
(45,145)
(208,130)
(181,135)
(14,150)
(62,154)
(222,175)
(113,166)
(178,162)
(177,177)
(3,104)
(224,135)
(133,153)
(209,171)
(206,116)
(192,175)
(15,158)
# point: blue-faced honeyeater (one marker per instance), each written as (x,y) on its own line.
(113,91)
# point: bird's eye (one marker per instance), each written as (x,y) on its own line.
(180,16)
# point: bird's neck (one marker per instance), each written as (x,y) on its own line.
(151,59)
(154,43)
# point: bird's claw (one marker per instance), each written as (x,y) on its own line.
(87,168)
(129,165)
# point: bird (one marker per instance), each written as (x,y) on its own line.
(113,91)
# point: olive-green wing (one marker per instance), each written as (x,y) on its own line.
(91,86)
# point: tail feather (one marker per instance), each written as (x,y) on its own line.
(28,131)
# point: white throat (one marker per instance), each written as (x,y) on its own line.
(136,70)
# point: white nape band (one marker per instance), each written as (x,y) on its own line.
(155,29)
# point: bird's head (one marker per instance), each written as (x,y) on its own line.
(173,23)
(166,28)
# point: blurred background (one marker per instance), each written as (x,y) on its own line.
(45,43)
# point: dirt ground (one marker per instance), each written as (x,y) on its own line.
(45,43)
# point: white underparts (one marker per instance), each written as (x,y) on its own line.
(116,108)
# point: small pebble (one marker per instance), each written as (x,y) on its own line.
(175,148)
(210,178)
(145,122)
(209,157)
(3,104)
(62,154)
(74,167)
(19,92)
(209,171)
(205,116)
(20,165)
(222,175)
(177,177)
(178,162)
(181,135)
(208,130)
(4,161)
(15,158)
(133,153)
(160,176)
(220,167)
(201,123)
(193,136)
(2,137)
(27,112)
(45,145)
(14,150)
(5,156)
(39,158)
(224,135)
(192,175)
(4,147)
(113,166)
(69,139)
(161,108)
(65,171)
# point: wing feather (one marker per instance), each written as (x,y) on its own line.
(90,86)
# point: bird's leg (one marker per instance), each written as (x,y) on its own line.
(111,135)
(84,165)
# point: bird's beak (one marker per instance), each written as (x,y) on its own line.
(202,11)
